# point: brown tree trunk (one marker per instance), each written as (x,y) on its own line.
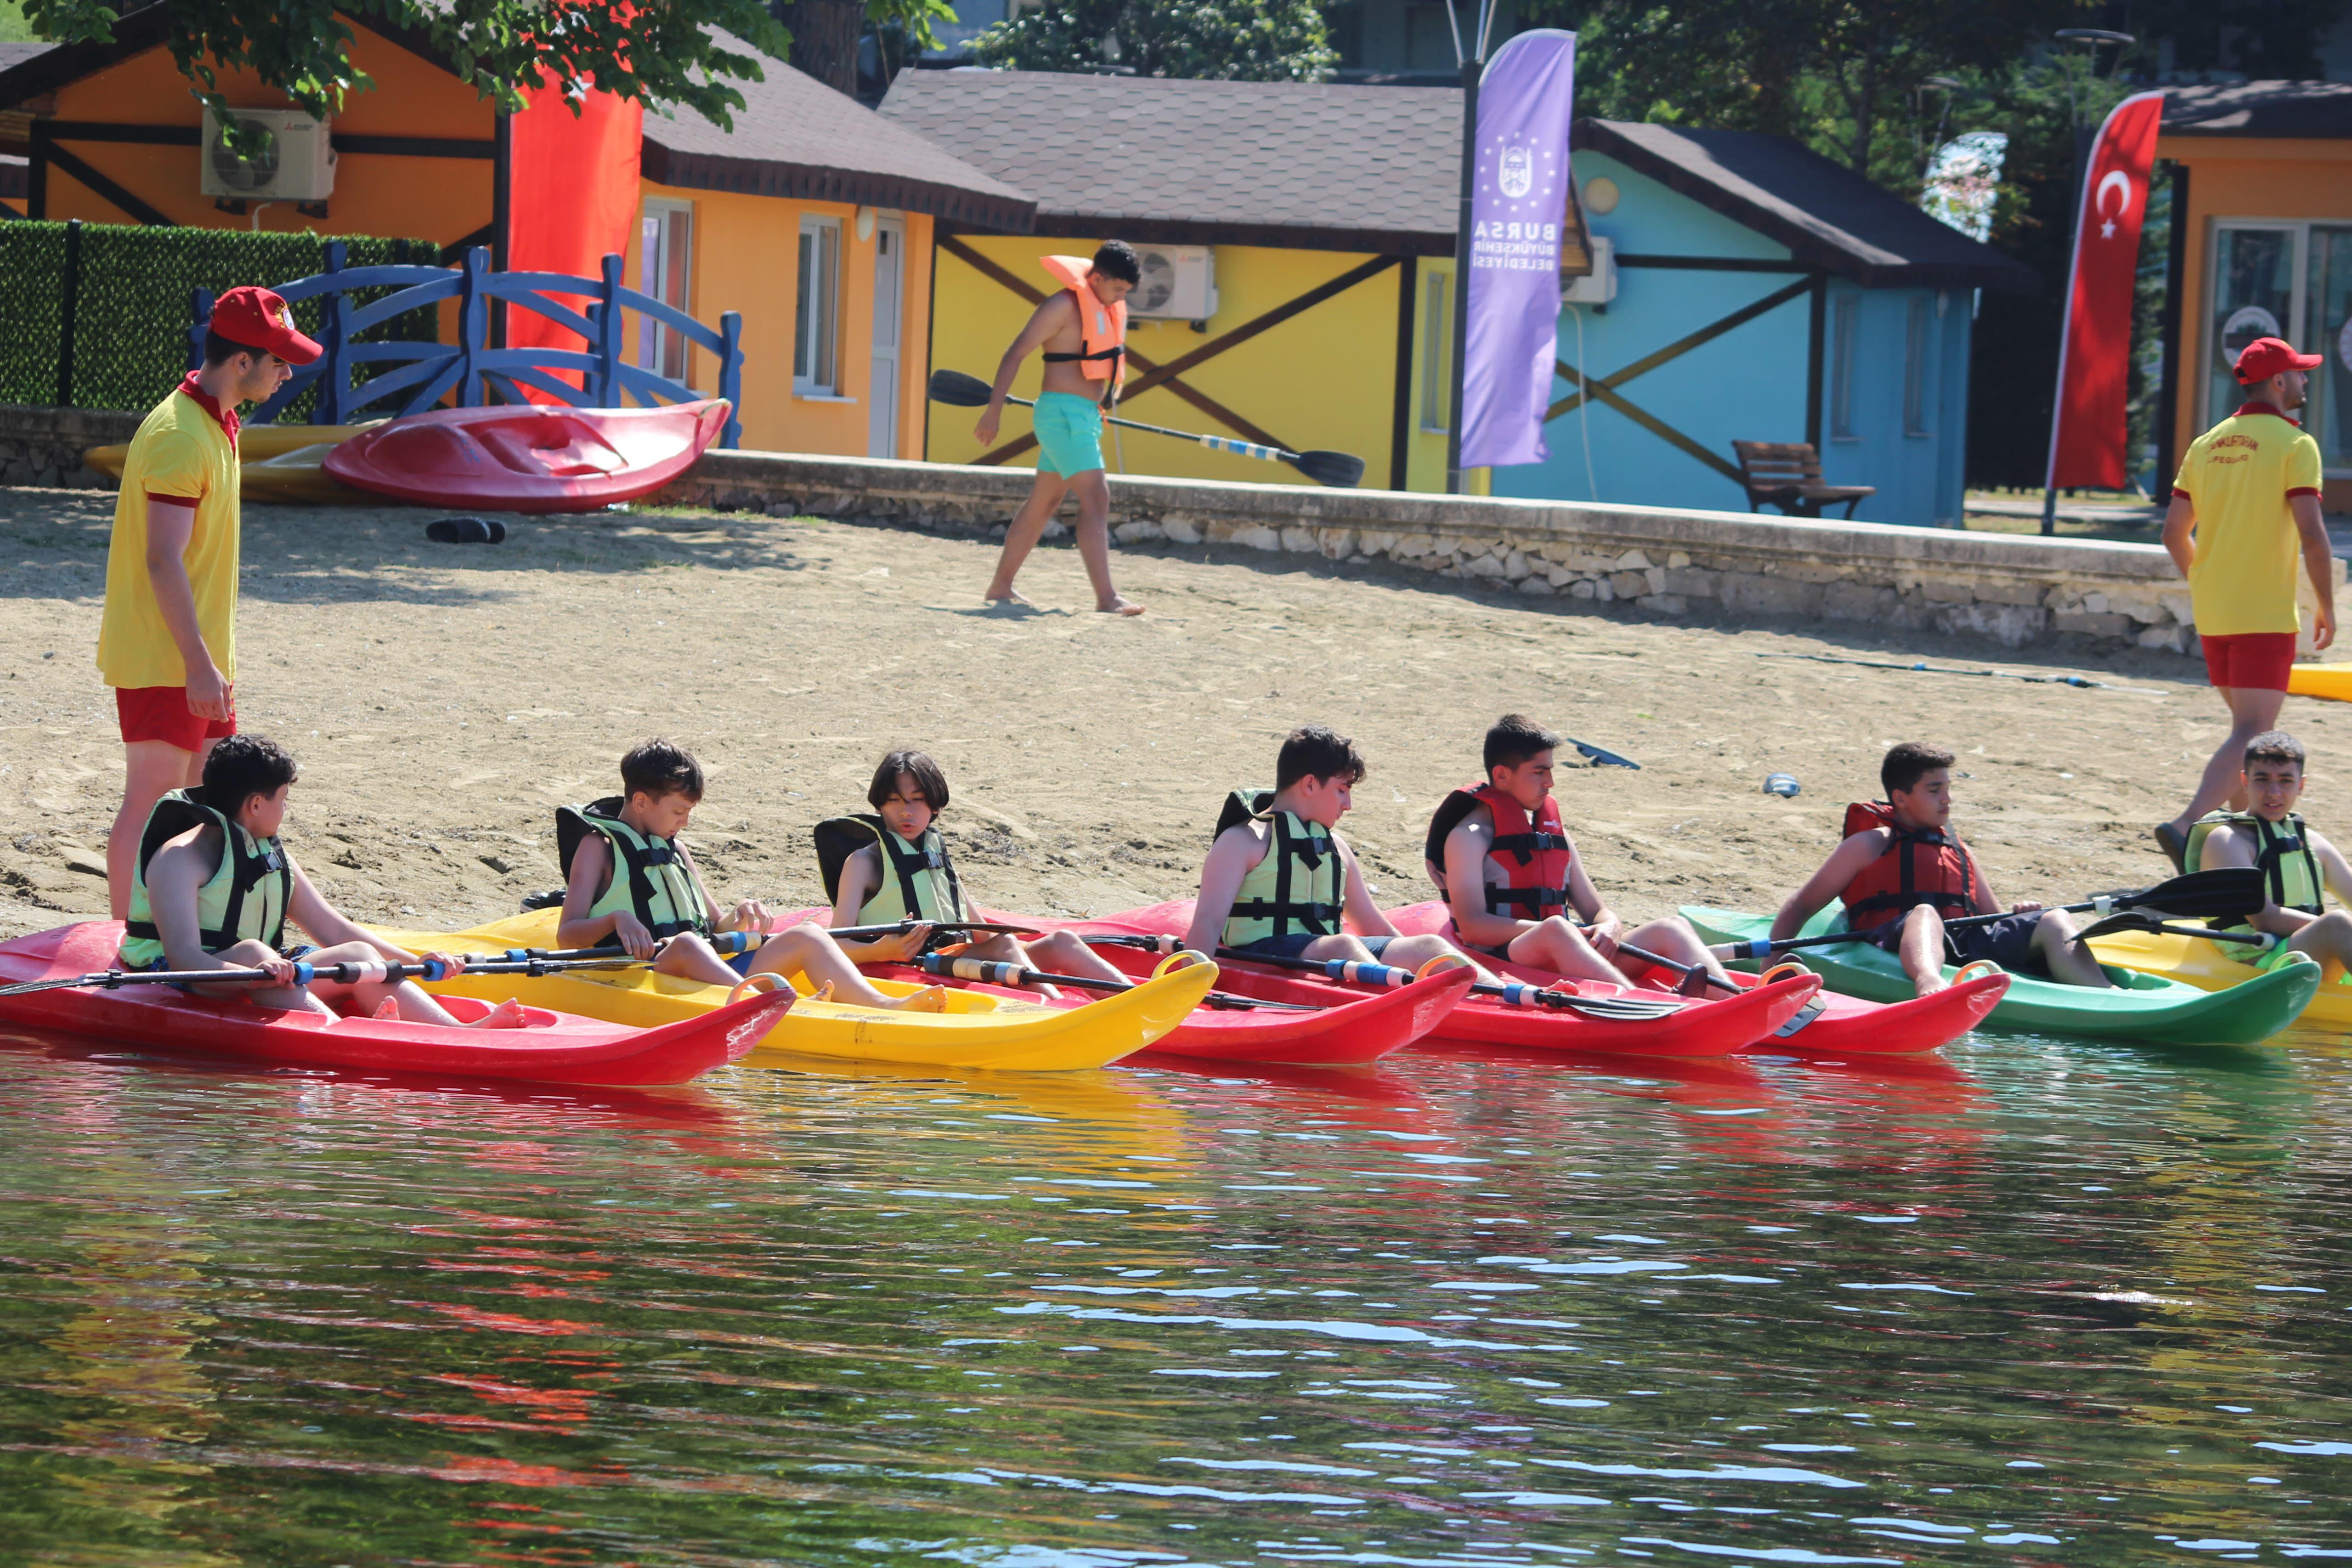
(824,40)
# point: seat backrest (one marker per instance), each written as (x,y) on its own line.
(1778,462)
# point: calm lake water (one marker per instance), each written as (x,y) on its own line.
(2042,1302)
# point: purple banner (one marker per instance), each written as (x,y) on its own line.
(1526,99)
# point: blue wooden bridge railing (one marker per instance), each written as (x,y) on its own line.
(478,372)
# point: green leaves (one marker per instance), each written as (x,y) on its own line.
(1232,41)
(662,53)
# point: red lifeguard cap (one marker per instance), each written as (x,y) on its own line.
(258,318)
(2265,357)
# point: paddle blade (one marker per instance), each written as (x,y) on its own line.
(1341,470)
(2220,894)
(964,391)
(1601,756)
(2121,921)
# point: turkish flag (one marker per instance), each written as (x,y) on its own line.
(573,184)
(2086,429)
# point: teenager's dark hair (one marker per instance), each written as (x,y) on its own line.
(1514,739)
(1316,751)
(218,350)
(1117,258)
(930,781)
(2274,746)
(1909,763)
(242,766)
(659,767)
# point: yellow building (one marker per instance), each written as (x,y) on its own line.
(2262,247)
(1297,243)
(813,217)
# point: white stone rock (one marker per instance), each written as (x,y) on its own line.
(1514,565)
(1533,584)
(1632,560)
(1584,588)
(1182,529)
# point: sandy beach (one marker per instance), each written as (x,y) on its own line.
(444,699)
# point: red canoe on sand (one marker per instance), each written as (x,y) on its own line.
(529,458)
(553,1047)
(1834,1026)
(1697,1029)
(1347,1029)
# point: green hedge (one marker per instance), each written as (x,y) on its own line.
(131,319)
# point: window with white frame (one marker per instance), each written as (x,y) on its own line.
(2290,280)
(1436,364)
(1917,337)
(665,270)
(816,309)
(1845,334)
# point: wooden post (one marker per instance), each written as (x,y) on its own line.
(1456,372)
(473,327)
(731,376)
(199,320)
(1817,317)
(329,410)
(606,314)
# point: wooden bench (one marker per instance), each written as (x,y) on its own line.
(1787,474)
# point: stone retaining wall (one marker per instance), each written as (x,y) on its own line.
(44,445)
(2016,590)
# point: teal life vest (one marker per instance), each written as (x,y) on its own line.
(244,899)
(919,881)
(2291,872)
(650,877)
(1300,886)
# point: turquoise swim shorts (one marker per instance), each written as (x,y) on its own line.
(1069,433)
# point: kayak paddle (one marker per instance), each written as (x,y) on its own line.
(1347,972)
(2140,921)
(1601,756)
(1341,470)
(349,973)
(2220,893)
(996,971)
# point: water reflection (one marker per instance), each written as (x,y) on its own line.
(2030,1301)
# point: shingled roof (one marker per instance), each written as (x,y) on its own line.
(2282,109)
(1828,215)
(796,137)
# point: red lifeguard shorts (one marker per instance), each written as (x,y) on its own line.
(2256,661)
(161,713)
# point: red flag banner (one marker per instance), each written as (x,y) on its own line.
(2086,429)
(572,199)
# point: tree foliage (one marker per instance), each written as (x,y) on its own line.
(658,52)
(1234,40)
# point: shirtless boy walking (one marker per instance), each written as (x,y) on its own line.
(1082,329)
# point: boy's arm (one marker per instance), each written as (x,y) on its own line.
(2234,846)
(325,924)
(1050,316)
(575,927)
(861,874)
(1231,858)
(1361,915)
(2333,865)
(1585,898)
(1844,864)
(1465,884)
(173,878)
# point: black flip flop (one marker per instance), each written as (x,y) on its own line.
(2175,845)
(466,531)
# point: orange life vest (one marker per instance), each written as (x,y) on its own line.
(1102,329)
(1535,855)
(1914,868)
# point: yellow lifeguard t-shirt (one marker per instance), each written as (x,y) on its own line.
(180,451)
(2238,476)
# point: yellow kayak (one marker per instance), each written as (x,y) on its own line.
(2321,680)
(977,1030)
(2208,966)
(281,464)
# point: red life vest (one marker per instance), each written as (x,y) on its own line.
(1914,868)
(1535,855)
(1102,329)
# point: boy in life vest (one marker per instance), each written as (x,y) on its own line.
(1280,882)
(213,888)
(631,883)
(1902,873)
(1082,328)
(2298,866)
(1509,871)
(894,865)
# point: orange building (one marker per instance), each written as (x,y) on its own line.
(2262,247)
(812,217)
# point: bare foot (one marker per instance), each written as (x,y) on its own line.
(1120,604)
(507,1014)
(388,1010)
(822,992)
(1011,599)
(929,999)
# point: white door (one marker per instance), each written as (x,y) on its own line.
(890,287)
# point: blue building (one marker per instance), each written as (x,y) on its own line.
(1760,293)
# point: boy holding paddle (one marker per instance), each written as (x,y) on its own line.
(2298,866)
(1913,889)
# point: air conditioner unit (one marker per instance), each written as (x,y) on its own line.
(296,161)
(1180,283)
(1598,286)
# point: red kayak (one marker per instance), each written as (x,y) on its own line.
(552,1048)
(1655,1024)
(1832,1025)
(529,458)
(1346,1028)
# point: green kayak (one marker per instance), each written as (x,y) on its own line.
(2143,1008)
